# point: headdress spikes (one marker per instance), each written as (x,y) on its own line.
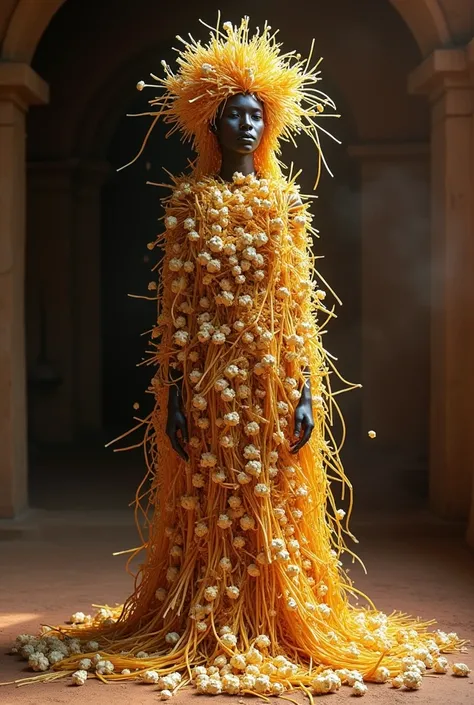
(233,62)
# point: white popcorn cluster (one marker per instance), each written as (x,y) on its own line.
(381,675)
(412,680)
(359,688)
(440,665)
(79,677)
(38,662)
(104,668)
(348,677)
(150,677)
(460,669)
(326,682)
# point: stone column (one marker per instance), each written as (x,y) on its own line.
(444,77)
(394,193)
(470,56)
(20,87)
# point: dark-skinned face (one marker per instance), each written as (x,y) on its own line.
(239,126)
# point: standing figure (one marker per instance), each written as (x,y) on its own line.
(241,587)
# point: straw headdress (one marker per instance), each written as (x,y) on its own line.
(233,62)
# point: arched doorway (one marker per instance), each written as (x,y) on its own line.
(76,97)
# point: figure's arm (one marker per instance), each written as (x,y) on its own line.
(304,422)
(303,417)
(173,337)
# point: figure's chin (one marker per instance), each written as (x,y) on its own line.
(246,147)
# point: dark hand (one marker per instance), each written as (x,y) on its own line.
(304,422)
(176,423)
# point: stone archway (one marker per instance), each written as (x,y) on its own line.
(426,21)
(424,18)
(26,27)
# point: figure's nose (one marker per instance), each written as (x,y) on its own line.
(245,123)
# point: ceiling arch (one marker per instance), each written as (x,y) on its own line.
(424,18)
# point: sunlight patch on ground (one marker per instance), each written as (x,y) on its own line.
(13,618)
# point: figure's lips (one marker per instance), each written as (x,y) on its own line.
(246,138)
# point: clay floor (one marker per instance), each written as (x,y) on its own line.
(57,562)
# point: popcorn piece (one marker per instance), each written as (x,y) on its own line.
(189,502)
(238,542)
(381,675)
(262,641)
(79,677)
(85,664)
(26,651)
(171,222)
(189,224)
(247,523)
(199,402)
(38,662)
(198,480)
(277,688)
(460,669)
(198,671)
(150,677)
(201,529)
(104,668)
(231,684)
(261,490)
(253,467)
(254,657)
(243,478)
(229,640)
(412,680)
(210,593)
(208,460)
(326,682)
(224,521)
(353,676)
(239,662)
(252,428)
(232,418)
(225,565)
(92,646)
(441,665)
(172,638)
(262,684)
(359,688)
(56,656)
(219,476)
(231,371)
(202,684)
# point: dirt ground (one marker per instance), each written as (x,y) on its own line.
(56,563)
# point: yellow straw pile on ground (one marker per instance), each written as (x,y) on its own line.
(242,588)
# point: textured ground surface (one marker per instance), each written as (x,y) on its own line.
(58,562)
